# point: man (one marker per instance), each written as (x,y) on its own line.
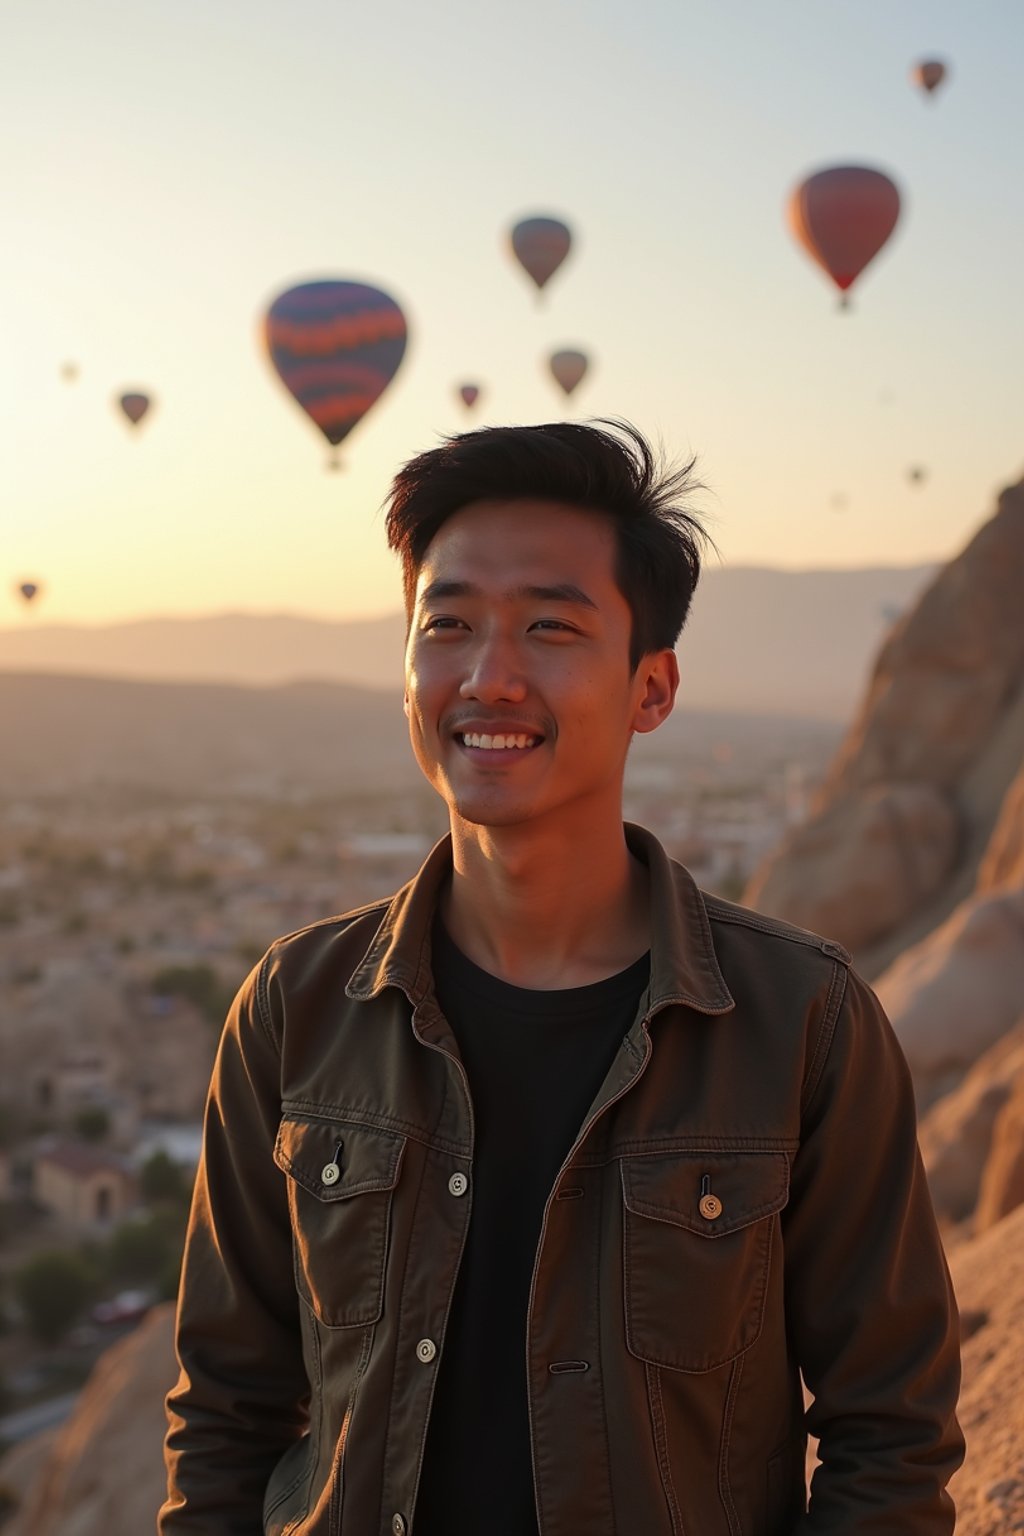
(527,1196)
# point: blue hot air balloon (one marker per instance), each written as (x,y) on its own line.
(336,347)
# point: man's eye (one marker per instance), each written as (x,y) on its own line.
(442,621)
(553,624)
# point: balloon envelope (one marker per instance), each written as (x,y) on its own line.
(336,347)
(28,589)
(69,372)
(469,394)
(842,217)
(540,245)
(928,74)
(568,368)
(134,405)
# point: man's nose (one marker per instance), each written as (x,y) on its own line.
(495,673)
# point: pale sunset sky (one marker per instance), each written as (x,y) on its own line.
(169,168)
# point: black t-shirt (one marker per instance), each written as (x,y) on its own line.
(535,1061)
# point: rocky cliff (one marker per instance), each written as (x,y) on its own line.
(905,817)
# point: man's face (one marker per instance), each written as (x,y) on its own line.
(520,633)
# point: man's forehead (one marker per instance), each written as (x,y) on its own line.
(520,544)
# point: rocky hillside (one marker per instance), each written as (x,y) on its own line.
(901,826)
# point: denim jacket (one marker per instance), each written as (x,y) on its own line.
(744,1204)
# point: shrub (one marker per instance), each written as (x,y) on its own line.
(53,1290)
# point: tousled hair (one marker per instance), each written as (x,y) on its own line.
(606,467)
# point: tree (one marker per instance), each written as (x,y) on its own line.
(161,1181)
(92,1123)
(53,1290)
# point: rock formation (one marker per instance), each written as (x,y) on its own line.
(988,1273)
(957,1132)
(103,1472)
(902,822)
(1002,1184)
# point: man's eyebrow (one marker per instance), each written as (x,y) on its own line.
(559,592)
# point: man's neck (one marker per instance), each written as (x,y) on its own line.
(543,907)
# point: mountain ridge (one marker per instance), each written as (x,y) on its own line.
(759,640)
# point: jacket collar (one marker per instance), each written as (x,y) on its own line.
(684,966)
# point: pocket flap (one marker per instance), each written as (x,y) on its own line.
(365,1159)
(669,1187)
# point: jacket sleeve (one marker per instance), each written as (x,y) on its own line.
(242,1394)
(869,1302)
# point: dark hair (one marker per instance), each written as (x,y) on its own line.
(615,472)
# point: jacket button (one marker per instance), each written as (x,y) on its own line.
(458,1184)
(398,1525)
(426,1349)
(710,1207)
(329,1173)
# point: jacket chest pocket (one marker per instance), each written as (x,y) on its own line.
(341,1178)
(697,1246)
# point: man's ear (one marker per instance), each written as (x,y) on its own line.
(405,704)
(661,680)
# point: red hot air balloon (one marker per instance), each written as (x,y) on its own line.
(842,217)
(135,405)
(469,394)
(336,347)
(928,74)
(540,245)
(568,368)
(28,590)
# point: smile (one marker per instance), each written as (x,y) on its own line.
(480,741)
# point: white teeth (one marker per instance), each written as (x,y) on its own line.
(496,743)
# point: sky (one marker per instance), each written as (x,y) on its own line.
(170,168)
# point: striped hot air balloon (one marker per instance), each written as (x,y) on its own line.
(336,346)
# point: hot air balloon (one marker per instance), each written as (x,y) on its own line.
(135,405)
(916,474)
(540,245)
(336,346)
(928,74)
(568,368)
(842,217)
(28,590)
(69,372)
(469,394)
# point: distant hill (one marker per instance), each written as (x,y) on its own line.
(795,643)
(65,734)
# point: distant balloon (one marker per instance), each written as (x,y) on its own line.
(568,368)
(540,245)
(928,74)
(842,217)
(916,474)
(469,395)
(69,372)
(28,590)
(135,405)
(839,501)
(336,347)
